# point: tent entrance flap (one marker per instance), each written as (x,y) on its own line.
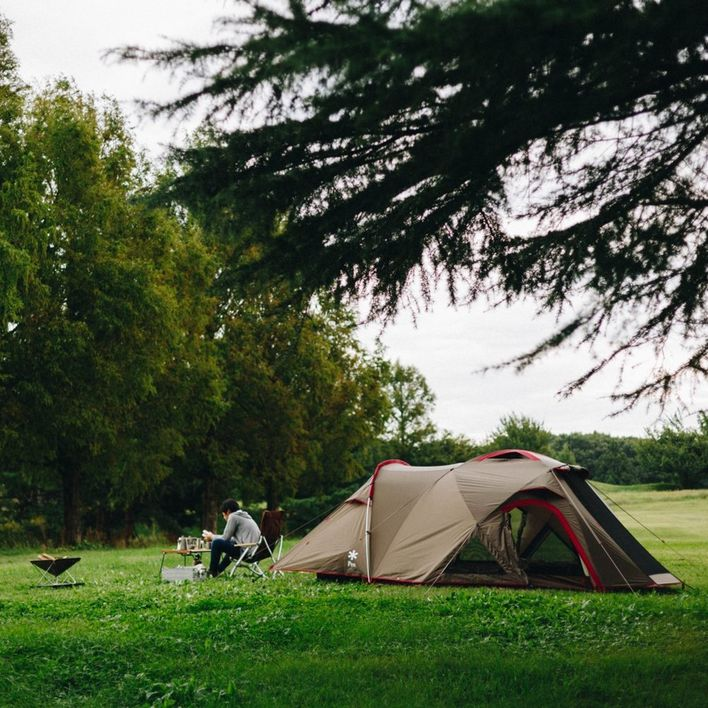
(602,514)
(542,545)
(562,530)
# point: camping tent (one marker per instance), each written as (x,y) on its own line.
(511,518)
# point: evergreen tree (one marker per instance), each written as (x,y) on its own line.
(383,139)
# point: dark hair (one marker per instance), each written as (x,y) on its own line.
(229,505)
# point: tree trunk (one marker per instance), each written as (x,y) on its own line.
(102,530)
(272,495)
(71,534)
(128,527)
(210,503)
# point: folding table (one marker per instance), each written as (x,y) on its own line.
(194,553)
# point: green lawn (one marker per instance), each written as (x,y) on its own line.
(124,639)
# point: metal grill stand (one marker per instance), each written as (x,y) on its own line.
(51,571)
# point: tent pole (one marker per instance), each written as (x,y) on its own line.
(369,501)
(367,541)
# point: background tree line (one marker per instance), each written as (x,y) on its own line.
(673,455)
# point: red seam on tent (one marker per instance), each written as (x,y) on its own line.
(498,453)
(566,526)
(378,469)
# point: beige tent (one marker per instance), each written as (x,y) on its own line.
(512,518)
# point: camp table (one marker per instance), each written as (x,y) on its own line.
(195,553)
(52,568)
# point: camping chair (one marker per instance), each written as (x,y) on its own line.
(270,541)
(51,569)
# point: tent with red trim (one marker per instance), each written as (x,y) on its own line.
(510,518)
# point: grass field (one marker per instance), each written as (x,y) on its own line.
(125,639)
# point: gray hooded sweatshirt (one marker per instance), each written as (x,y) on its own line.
(240,528)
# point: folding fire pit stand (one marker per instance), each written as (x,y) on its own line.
(52,568)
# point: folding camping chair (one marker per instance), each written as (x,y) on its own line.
(51,569)
(270,541)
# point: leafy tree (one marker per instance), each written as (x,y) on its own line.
(444,448)
(609,458)
(393,138)
(302,400)
(522,432)
(188,395)
(15,200)
(677,454)
(101,328)
(411,403)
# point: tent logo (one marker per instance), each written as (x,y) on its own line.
(351,559)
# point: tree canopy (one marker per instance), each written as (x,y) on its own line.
(520,431)
(303,396)
(93,366)
(137,381)
(677,454)
(14,256)
(412,402)
(380,141)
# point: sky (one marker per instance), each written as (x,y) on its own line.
(70,37)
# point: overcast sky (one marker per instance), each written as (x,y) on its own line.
(69,38)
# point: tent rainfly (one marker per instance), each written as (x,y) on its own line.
(511,518)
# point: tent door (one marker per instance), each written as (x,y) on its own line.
(542,545)
(547,545)
(488,556)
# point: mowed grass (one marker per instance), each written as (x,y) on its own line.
(125,639)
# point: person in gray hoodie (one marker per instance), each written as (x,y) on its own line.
(240,528)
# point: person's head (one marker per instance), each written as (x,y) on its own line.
(228,506)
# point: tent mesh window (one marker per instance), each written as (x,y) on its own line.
(548,552)
(474,559)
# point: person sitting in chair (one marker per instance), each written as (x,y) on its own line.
(240,528)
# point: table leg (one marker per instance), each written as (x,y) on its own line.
(159,572)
